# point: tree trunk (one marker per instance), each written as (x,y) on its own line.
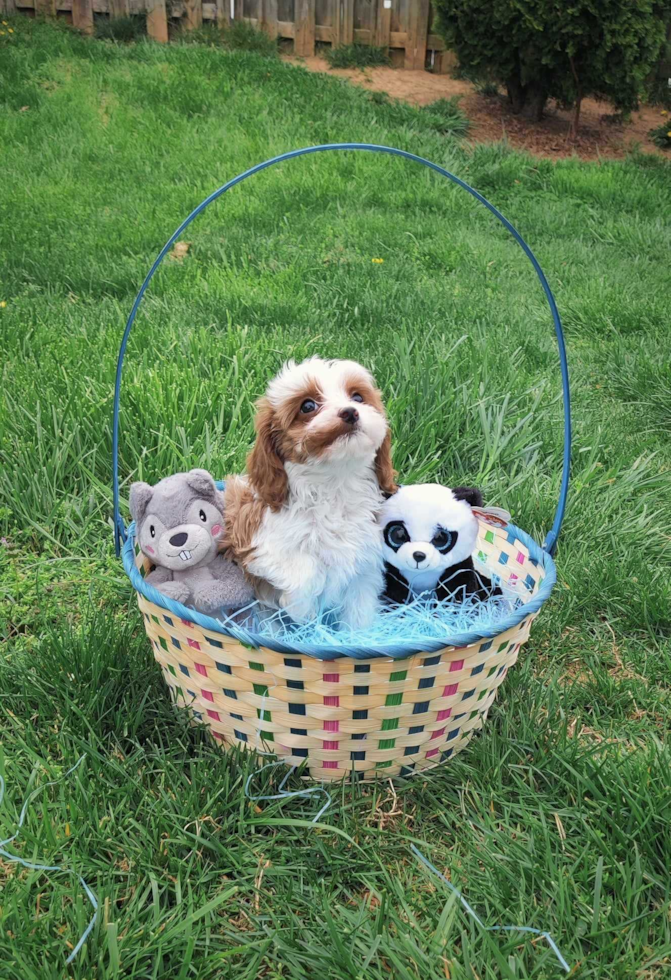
(529,99)
(517,94)
(575,122)
(536,97)
(573,131)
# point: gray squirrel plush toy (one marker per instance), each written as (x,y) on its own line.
(178,524)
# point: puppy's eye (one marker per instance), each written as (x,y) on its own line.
(396,535)
(444,540)
(202,515)
(356,397)
(309,405)
(152,530)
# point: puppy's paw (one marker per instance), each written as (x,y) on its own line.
(359,614)
(302,608)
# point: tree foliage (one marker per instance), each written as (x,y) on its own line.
(542,49)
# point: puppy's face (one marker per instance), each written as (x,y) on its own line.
(426,528)
(327,410)
(322,411)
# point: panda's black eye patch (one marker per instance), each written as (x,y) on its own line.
(443,540)
(395,534)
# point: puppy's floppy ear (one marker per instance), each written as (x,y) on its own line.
(202,483)
(139,499)
(265,466)
(384,469)
(471,495)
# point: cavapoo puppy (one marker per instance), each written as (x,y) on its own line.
(303,520)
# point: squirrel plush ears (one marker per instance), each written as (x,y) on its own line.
(471,495)
(194,484)
(139,499)
(202,484)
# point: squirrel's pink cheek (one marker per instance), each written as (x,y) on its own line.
(216,529)
(149,548)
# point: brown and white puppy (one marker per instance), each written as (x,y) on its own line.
(303,520)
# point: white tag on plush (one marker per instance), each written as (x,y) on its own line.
(492,515)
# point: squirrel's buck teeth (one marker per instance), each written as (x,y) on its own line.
(185,555)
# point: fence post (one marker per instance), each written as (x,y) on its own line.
(304,42)
(193,14)
(448,61)
(336,24)
(418,29)
(223,14)
(383,23)
(45,8)
(268,17)
(347,22)
(82,15)
(157,20)
(119,8)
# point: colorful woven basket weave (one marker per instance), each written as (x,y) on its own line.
(394,710)
(346,714)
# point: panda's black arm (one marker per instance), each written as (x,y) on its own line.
(462,582)
(396,589)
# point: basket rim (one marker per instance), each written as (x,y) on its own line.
(396,651)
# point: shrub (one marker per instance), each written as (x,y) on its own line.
(659,90)
(357,56)
(540,49)
(240,35)
(447,117)
(661,136)
(124,29)
(487,88)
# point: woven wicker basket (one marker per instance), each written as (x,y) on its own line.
(342,715)
(385,711)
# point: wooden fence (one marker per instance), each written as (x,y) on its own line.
(401,26)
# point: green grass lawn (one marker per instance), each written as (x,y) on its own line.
(558,815)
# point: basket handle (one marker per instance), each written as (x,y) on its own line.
(549,544)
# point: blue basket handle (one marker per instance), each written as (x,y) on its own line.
(551,539)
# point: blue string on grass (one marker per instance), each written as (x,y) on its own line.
(498,928)
(49,867)
(283,794)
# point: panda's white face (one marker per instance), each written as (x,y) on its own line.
(426,530)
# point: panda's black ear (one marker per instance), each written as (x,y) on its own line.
(471,495)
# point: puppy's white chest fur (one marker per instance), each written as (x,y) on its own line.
(325,541)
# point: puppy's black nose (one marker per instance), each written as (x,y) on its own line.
(418,556)
(349,415)
(179,539)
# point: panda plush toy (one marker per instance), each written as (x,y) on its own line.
(429,538)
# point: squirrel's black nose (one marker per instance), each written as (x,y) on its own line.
(179,539)
(418,556)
